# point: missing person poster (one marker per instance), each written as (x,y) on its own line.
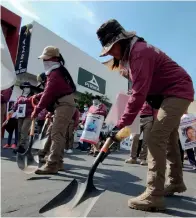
(92,128)
(187,131)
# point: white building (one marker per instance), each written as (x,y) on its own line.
(88,73)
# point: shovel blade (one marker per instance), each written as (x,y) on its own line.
(27,162)
(74,201)
(39,144)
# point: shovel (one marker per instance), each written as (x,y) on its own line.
(40,142)
(26,161)
(77,199)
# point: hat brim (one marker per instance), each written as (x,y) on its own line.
(107,48)
(44,57)
(25,86)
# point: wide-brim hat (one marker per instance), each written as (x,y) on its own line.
(32,87)
(110,33)
(49,52)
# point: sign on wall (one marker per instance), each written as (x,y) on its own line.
(91,81)
(23,49)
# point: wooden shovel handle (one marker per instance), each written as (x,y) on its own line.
(32,102)
(32,128)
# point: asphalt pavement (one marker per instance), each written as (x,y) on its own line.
(23,195)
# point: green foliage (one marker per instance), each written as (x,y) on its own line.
(86,98)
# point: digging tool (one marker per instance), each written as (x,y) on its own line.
(40,142)
(26,161)
(77,199)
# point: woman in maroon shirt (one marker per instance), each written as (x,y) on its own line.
(166,86)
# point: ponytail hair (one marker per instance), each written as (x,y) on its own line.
(65,73)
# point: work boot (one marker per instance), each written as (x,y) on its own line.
(143,162)
(47,169)
(147,202)
(131,161)
(170,189)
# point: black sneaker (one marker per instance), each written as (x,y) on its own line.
(20,150)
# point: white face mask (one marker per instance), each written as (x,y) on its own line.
(26,91)
(96,102)
(50,65)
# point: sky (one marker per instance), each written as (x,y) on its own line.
(168,25)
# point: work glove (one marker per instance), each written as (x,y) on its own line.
(113,133)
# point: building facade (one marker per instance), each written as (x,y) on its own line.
(88,74)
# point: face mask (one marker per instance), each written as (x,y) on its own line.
(96,102)
(50,65)
(85,108)
(26,91)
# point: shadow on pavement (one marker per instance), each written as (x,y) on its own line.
(184,203)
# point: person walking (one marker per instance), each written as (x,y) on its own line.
(97,108)
(57,97)
(166,86)
(73,125)
(12,127)
(146,122)
(5,97)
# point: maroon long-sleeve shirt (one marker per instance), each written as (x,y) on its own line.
(154,73)
(5,95)
(56,87)
(100,110)
(146,109)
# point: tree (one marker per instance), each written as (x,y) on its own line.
(86,98)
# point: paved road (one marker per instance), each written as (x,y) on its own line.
(23,195)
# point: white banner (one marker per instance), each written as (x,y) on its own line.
(8,76)
(187,131)
(117,111)
(92,128)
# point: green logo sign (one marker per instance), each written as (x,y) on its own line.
(91,81)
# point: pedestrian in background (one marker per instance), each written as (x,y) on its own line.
(23,108)
(69,138)
(146,122)
(5,97)
(12,127)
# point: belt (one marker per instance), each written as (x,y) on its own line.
(144,116)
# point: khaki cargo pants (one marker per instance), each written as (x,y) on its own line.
(24,125)
(163,145)
(145,127)
(70,136)
(62,117)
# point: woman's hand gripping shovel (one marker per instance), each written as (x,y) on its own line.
(77,199)
(26,161)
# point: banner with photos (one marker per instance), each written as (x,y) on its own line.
(187,131)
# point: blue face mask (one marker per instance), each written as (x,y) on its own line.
(85,108)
